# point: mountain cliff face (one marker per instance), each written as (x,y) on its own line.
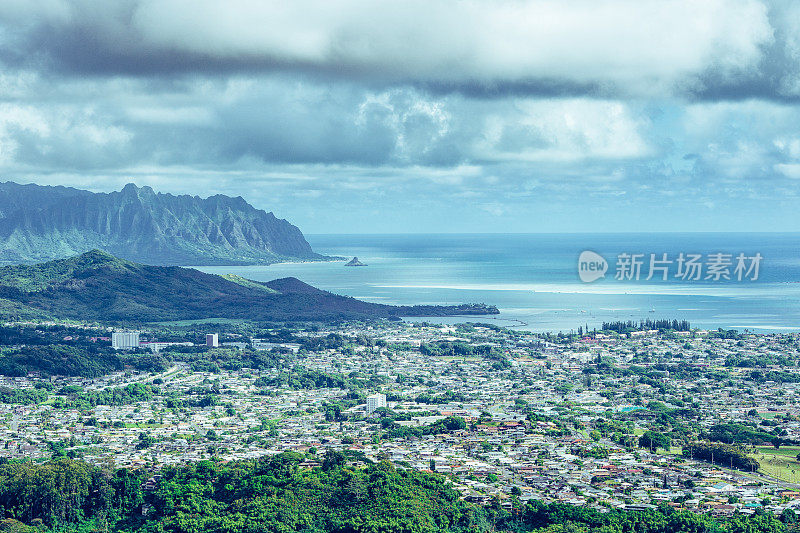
(41,223)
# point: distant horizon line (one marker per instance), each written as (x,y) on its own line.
(790,232)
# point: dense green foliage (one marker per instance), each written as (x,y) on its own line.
(22,396)
(202,359)
(654,439)
(779,376)
(735,433)
(277,494)
(663,325)
(99,286)
(572,518)
(71,360)
(64,491)
(445,425)
(447,348)
(759,360)
(43,334)
(129,394)
(463,349)
(723,454)
(60,359)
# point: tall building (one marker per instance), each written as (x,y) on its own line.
(375,401)
(212,340)
(125,340)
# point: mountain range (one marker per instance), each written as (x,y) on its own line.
(41,223)
(96,286)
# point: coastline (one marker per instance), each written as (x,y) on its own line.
(532,278)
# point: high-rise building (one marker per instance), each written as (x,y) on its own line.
(125,340)
(212,340)
(375,401)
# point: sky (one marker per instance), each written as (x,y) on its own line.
(365,116)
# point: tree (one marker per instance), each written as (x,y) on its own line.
(333,459)
(145,441)
(653,440)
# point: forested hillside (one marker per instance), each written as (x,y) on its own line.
(278,494)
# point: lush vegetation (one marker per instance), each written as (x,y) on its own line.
(99,286)
(277,494)
(22,396)
(66,492)
(654,439)
(663,325)
(447,348)
(722,454)
(61,360)
(129,394)
(301,378)
(71,360)
(735,433)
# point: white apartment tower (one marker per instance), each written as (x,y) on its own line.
(212,340)
(125,340)
(375,401)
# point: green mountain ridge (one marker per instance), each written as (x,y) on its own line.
(98,286)
(39,223)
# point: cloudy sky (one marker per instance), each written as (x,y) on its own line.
(360,116)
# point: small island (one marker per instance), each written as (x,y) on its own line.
(354,262)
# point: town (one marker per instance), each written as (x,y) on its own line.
(605,419)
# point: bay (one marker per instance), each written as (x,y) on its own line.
(533,278)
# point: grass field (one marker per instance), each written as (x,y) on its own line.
(780,463)
(783,450)
(675,450)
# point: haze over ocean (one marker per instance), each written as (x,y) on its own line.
(533,278)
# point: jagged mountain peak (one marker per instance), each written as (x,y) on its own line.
(137,223)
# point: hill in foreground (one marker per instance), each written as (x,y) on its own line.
(98,286)
(39,223)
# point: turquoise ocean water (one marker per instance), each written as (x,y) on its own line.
(533,278)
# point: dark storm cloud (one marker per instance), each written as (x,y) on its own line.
(509,115)
(544,88)
(487,49)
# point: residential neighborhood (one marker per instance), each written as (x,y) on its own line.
(500,413)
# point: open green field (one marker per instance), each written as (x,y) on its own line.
(781,463)
(675,450)
(783,450)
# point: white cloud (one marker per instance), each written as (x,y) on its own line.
(641,47)
(789,146)
(787,28)
(58,135)
(563,130)
(14,119)
(790,170)
(583,41)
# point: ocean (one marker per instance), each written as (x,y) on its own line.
(534,279)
